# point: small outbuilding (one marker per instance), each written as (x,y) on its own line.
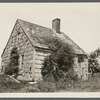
(29,40)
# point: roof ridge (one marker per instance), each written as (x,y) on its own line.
(33,23)
(47,30)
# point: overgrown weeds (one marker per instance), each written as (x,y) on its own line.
(92,85)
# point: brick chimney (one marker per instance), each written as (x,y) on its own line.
(56,25)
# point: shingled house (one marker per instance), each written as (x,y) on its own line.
(30,41)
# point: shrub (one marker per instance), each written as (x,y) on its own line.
(62,85)
(12,67)
(10,70)
(93,62)
(49,78)
(58,62)
(46,86)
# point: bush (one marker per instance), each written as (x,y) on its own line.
(70,75)
(93,62)
(49,78)
(46,86)
(58,62)
(50,84)
(12,67)
(62,85)
(11,70)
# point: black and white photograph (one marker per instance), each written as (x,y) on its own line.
(49,47)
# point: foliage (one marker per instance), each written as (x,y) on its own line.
(93,62)
(59,61)
(8,85)
(12,67)
(46,86)
(92,85)
(97,51)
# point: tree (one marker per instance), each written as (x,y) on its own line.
(93,62)
(12,68)
(97,51)
(59,62)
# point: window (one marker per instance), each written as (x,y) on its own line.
(80,59)
(30,68)
(18,33)
(22,61)
(18,36)
(12,39)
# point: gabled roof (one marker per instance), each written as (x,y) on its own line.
(39,34)
(43,37)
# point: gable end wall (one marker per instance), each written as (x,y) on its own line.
(24,48)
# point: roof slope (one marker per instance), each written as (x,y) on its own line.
(39,34)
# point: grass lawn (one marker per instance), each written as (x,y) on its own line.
(92,85)
(7,85)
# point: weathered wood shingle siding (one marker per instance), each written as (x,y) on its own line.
(19,39)
(81,68)
(40,55)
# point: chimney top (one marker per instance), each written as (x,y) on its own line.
(56,25)
(55,19)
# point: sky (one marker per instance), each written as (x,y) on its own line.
(80,21)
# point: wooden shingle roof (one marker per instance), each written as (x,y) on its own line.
(39,34)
